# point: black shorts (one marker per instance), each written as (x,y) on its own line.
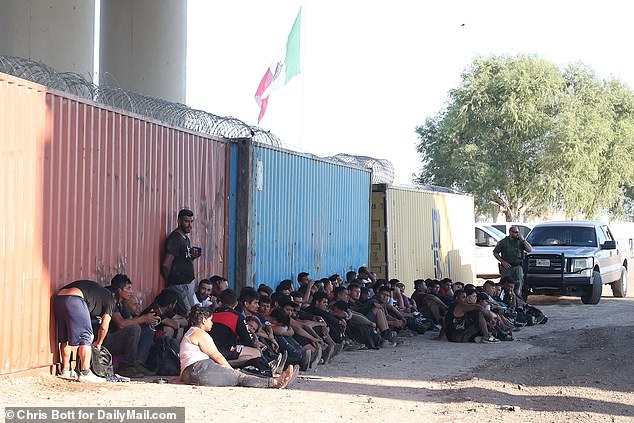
(231,354)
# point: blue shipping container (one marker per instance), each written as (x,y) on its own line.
(304,214)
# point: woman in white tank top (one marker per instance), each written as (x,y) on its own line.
(203,364)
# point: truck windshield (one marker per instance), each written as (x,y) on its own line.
(563,235)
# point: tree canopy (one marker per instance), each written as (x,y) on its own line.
(525,137)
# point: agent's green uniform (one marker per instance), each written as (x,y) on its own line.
(512,251)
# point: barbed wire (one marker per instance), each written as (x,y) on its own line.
(382,169)
(174,114)
(171,113)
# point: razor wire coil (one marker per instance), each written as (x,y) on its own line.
(171,113)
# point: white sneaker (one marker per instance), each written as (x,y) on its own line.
(91,377)
(69,374)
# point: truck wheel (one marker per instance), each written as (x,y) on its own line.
(593,295)
(619,288)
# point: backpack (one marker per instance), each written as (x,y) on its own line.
(164,357)
(419,324)
(101,362)
(531,316)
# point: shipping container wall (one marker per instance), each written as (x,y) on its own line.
(25,291)
(426,235)
(378,234)
(93,192)
(307,215)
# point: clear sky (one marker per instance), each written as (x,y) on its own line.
(374,70)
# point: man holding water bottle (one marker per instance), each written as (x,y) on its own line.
(177,266)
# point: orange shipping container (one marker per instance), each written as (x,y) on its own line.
(87,192)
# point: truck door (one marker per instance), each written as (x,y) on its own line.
(612,266)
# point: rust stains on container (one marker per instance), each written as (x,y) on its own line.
(87,192)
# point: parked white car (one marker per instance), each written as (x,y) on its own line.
(486,238)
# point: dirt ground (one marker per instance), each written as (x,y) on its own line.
(578,366)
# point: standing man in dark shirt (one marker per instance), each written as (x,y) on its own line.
(177,266)
(76,306)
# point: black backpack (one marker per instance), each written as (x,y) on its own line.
(164,357)
(419,324)
(101,362)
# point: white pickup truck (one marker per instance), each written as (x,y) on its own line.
(574,258)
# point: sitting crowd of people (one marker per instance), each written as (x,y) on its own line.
(263,337)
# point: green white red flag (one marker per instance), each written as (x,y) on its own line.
(282,69)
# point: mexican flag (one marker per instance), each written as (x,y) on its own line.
(282,69)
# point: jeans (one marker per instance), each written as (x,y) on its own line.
(124,341)
(185,293)
(209,373)
(145,343)
(292,347)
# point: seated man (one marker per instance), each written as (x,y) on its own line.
(264,308)
(366,276)
(169,323)
(132,305)
(336,280)
(497,306)
(218,284)
(304,333)
(327,286)
(264,291)
(525,313)
(430,306)
(125,333)
(280,322)
(230,332)
(372,311)
(319,307)
(395,319)
(76,305)
(340,293)
(409,306)
(496,326)
(433,287)
(202,296)
(446,287)
(314,323)
(285,287)
(248,302)
(358,328)
(466,322)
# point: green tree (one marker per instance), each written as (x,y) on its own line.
(593,144)
(524,137)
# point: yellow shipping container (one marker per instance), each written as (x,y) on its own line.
(418,234)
